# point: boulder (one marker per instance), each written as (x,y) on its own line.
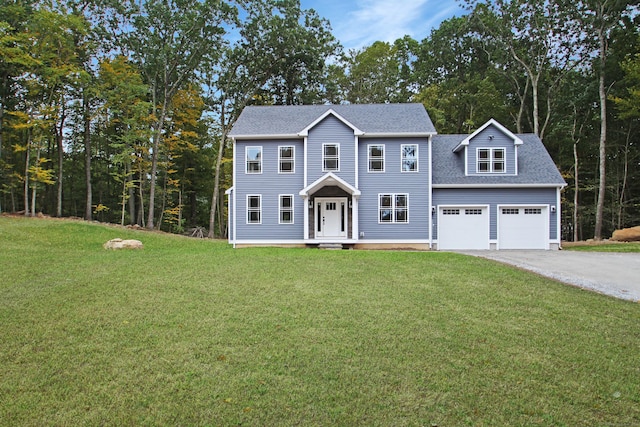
(123,244)
(627,235)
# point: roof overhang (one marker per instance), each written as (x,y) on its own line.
(329,179)
(499,185)
(504,130)
(261,137)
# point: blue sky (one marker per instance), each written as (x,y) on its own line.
(358,23)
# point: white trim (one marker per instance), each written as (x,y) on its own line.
(515,160)
(337,144)
(305,131)
(354,218)
(466,161)
(393,208)
(499,185)
(293,159)
(356,146)
(359,133)
(417,158)
(558,213)
(306,152)
(400,135)
(430,189)
(504,130)
(384,159)
(329,179)
(234,171)
(246,159)
(280,210)
(230,196)
(262,137)
(491,160)
(246,211)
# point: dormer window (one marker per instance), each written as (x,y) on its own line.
(491,160)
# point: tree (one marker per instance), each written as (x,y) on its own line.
(170,42)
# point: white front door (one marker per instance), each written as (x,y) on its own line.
(331,218)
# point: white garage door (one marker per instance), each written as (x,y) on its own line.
(463,228)
(523,227)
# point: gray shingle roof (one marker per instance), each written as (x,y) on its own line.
(535,166)
(369,118)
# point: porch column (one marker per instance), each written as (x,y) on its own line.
(305,200)
(354,217)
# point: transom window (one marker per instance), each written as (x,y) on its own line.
(286,209)
(491,160)
(409,157)
(376,158)
(254,209)
(286,161)
(330,157)
(393,208)
(253,157)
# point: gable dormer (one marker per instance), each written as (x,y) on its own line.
(492,150)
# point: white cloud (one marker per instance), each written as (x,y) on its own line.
(388,20)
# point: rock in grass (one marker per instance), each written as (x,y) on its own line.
(123,244)
(627,235)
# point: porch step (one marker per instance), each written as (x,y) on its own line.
(330,246)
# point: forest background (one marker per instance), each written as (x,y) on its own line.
(119,111)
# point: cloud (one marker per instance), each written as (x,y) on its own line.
(384,20)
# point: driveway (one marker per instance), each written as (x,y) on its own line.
(614,274)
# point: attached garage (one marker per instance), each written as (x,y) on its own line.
(463,227)
(523,227)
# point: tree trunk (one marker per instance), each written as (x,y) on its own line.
(157,135)
(216,184)
(575,192)
(26,174)
(60,146)
(87,155)
(603,136)
(624,180)
(132,199)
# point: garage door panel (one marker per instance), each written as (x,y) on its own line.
(463,228)
(523,227)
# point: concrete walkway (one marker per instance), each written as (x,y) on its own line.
(614,274)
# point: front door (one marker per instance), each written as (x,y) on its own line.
(331,218)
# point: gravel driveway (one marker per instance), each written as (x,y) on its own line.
(614,274)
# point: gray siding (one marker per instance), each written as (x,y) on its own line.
(494,197)
(416,184)
(269,184)
(499,140)
(331,131)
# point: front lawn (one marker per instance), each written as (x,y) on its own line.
(193,332)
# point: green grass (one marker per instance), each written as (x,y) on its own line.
(191,332)
(605,247)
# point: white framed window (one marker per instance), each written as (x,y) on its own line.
(253,156)
(286,209)
(490,160)
(510,211)
(409,157)
(393,208)
(254,209)
(330,157)
(286,159)
(376,158)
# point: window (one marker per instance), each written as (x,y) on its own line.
(409,157)
(254,209)
(533,211)
(330,157)
(491,160)
(473,211)
(510,211)
(393,208)
(286,209)
(286,162)
(451,212)
(254,159)
(376,158)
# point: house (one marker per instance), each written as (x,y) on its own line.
(379,176)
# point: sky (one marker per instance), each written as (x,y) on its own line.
(359,23)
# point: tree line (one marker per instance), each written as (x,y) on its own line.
(119,110)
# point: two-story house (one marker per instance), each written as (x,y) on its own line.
(380,176)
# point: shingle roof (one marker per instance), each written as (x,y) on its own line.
(535,166)
(369,118)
